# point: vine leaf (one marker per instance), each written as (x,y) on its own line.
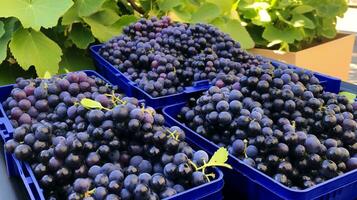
(33,48)
(81,36)
(71,16)
(9,27)
(88,7)
(91,104)
(106,17)
(206,13)
(224,5)
(219,158)
(166,5)
(103,32)
(351,97)
(74,59)
(36,13)
(235,29)
(100,31)
(2,29)
(125,20)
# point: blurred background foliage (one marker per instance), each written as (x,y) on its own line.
(45,37)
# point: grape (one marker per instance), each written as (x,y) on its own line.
(40,92)
(279,121)
(24,104)
(25,119)
(23,152)
(183,53)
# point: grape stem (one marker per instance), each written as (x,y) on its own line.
(212,175)
(245,148)
(203,167)
(89,193)
(173,134)
(136,7)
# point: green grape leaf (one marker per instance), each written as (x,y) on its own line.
(328,27)
(2,29)
(264,16)
(179,15)
(9,73)
(258,5)
(104,33)
(299,20)
(71,16)
(111,5)
(9,27)
(328,8)
(303,9)
(206,13)
(81,36)
(166,5)
(36,13)
(125,20)
(235,29)
(147,4)
(90,104)
(350,96)
(103,30)
(219,158)
(224,5)
(33,48)
(88,7)
(74,59)
(100,31)
(288,35)
(106,17)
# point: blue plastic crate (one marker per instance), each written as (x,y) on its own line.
(132,89)
(16,168)
(249,183)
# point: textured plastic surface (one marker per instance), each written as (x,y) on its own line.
(211,190)
(132,89)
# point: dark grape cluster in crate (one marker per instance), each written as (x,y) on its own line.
(163,57)
(280,121)
(84,140)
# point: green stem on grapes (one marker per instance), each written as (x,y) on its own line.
(193,164)
(203,167)
(89,193)
(173,134)
(245,148)
(212,175)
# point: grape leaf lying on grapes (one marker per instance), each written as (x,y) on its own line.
(218,159)
(350,96)
(91,104)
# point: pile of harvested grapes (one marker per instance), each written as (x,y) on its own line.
(280,121)
(84,140)
(163,57)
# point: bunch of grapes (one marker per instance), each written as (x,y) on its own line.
(163,57)
(84,140)
(280,121)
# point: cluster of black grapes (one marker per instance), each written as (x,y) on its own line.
(163,57)
(122,151)
(280,121)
